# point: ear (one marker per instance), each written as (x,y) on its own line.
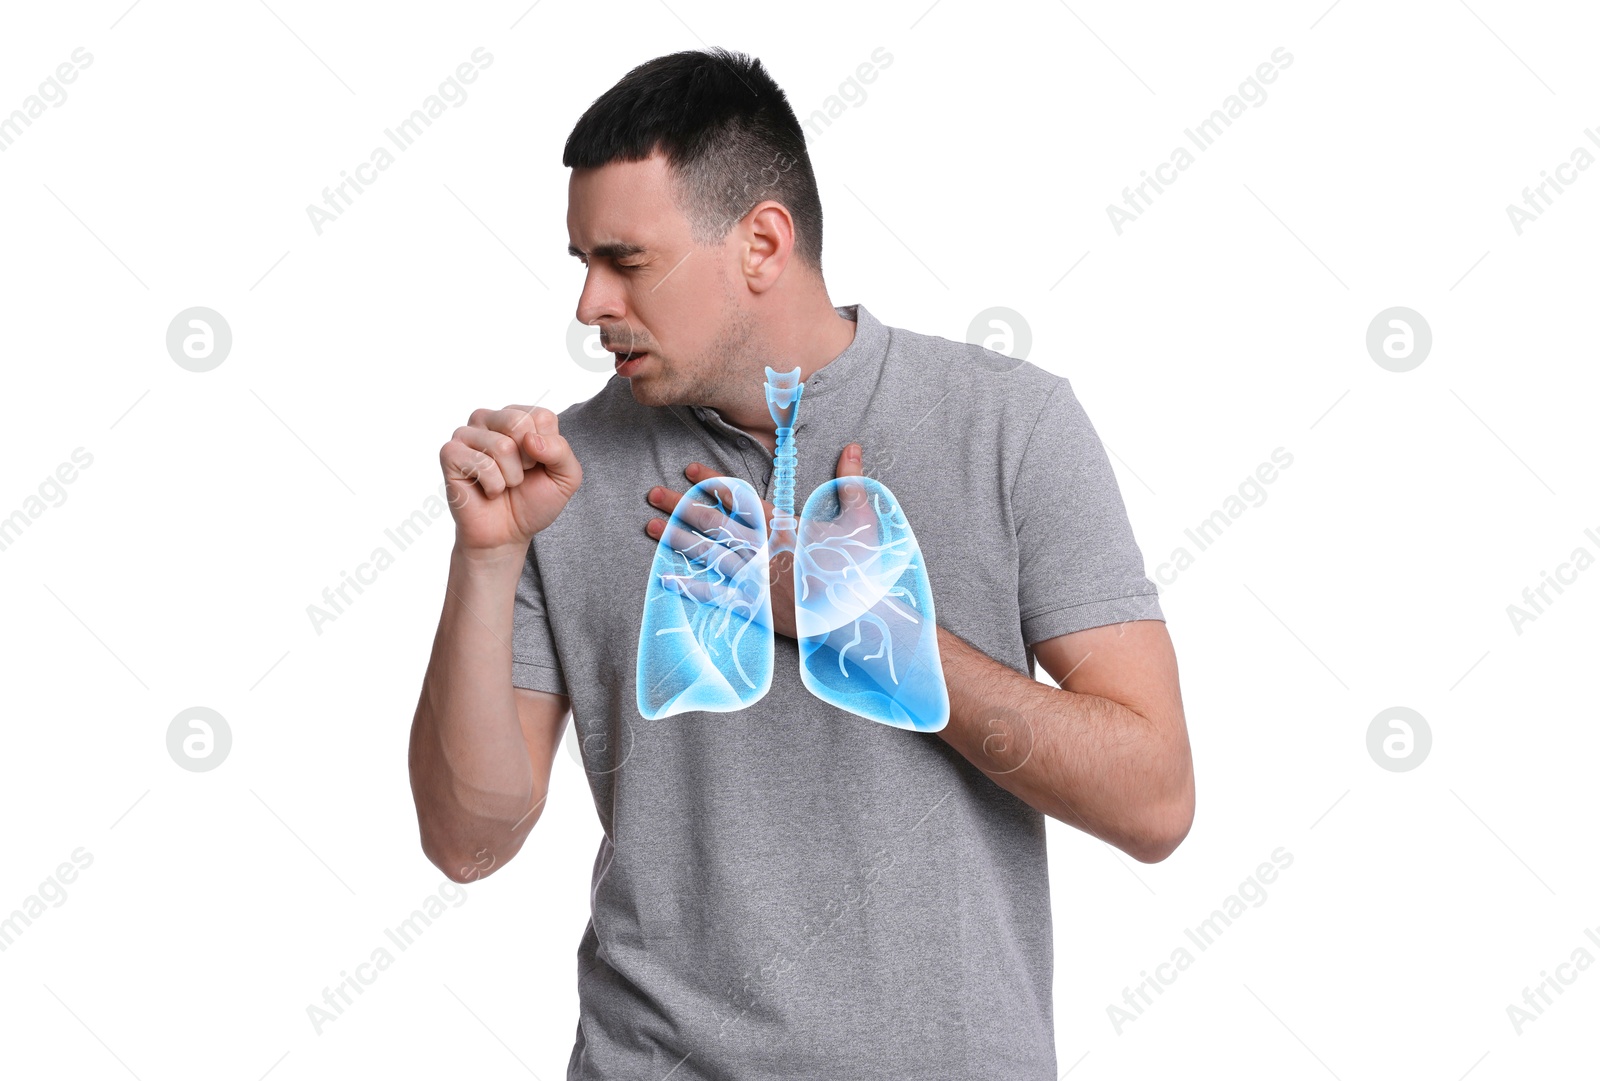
(768,245)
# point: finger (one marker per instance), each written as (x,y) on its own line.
(725,556)
(516,420)
(663,498)
(545,422)
(852,492)
(513,421)
(716,512)
(502,448)
(687,585)
(555,454)
(721,553)
(666,501)
(466,466)
(698,587)
(743,598)
(740,509)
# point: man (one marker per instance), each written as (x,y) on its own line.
(790,891)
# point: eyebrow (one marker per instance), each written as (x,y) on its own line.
(613,250)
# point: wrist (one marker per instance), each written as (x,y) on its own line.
(502,559)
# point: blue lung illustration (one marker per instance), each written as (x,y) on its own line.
(864,608)
(705,642)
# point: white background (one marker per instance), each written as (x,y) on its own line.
(1229,320)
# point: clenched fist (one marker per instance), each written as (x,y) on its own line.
(510,474)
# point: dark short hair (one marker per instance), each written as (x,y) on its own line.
(726,130)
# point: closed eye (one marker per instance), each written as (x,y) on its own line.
(611,251)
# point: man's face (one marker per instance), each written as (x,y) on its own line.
(665,305)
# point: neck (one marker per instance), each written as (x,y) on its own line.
(811,339)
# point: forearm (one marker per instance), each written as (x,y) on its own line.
(1086,760)
(471,776)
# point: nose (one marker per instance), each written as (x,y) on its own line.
(601,299)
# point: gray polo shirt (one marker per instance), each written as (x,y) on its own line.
(792,891)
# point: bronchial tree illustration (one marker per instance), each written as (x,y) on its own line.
(863,607)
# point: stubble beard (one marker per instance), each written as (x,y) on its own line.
(713,380)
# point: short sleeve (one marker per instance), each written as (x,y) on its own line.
(534,665)
(1078,563)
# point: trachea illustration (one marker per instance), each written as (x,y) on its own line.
(783,402)
(864,615)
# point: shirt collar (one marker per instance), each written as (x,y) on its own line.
(864,353)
